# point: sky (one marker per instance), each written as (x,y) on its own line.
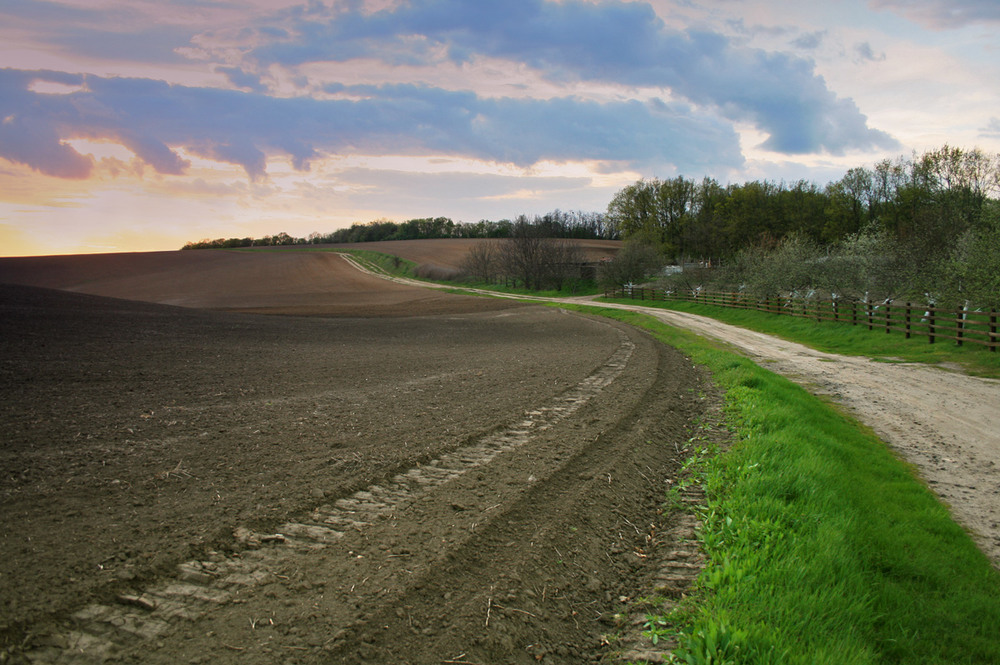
(139,125)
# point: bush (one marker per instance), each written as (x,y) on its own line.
(437,273)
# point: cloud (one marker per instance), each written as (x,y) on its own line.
(453,187)
(28,138)
(242,79)
(992,129)
(154,119)
(619,43)
(943,14)
(712,81)
(810,41)
(115,32)
(865,53)
(461,196)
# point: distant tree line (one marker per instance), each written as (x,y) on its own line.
(556,224)
(932,199)
(926,227)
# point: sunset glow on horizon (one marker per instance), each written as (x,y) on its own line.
(142,125)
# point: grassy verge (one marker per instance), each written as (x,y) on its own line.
(843,338)
(823,546)
(384,263)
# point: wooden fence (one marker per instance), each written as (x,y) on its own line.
(935,323)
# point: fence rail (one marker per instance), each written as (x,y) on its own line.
(935,323)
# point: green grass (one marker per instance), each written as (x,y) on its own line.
(846,339)
(824,548)
(379,262)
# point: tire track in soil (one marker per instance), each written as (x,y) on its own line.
(549,578)
(324,583)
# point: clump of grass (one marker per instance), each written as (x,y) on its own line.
(824,548)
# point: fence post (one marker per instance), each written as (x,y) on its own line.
(854,312)
(868,312)
(907,320)
(888,314)
(930,323)
(993,330)
(959,326)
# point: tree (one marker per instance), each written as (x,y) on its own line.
(634,264)
(633,211)
(561,260)
(972,271)
(521,254)
(850,204)
(704,233)
(675,201)
(654,212)
(792,266)
(483,261)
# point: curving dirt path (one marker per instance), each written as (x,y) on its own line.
(945,423)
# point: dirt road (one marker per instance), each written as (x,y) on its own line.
(945,423)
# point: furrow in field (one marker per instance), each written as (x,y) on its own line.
(106,630)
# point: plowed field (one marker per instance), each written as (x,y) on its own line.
(408,477)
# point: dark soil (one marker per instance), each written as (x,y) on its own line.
(137,437)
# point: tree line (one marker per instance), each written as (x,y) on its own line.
(935,197)
(924,226)
(555,224)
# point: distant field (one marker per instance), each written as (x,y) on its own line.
(285,280)
(450,252)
